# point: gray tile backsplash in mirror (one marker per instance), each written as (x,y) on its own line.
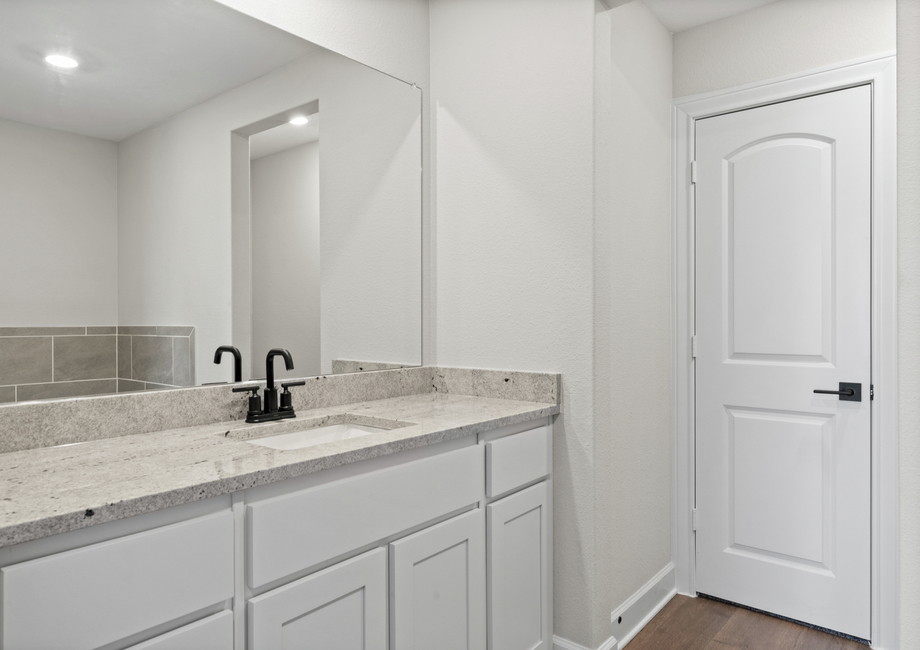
(83,357)
(59,362)
(25,360)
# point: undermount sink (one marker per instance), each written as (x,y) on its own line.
(307,432)
(315,436)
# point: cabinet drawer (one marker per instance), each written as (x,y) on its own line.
(211,633)
(101,593)
(294,532)
(515,460)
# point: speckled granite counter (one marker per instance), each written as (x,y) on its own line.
(49,490)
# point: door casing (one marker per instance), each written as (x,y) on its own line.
(880,72)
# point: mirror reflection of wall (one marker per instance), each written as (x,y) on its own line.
(284,196)
(118,261)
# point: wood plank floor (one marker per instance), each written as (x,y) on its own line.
(700,624)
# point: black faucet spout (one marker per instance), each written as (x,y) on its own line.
(270,365)
(237,360)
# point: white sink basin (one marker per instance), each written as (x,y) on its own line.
(315,436)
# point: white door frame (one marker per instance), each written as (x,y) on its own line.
(880,73)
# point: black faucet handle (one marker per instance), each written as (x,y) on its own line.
(255,402)
(287,403)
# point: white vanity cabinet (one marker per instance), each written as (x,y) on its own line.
(519,541)
(460,534)
(442,546)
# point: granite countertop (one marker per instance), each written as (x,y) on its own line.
(51,490)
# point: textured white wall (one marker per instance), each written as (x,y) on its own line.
(512,102)
(285,259)
(909,315)
(633,457)
(778,39)
(174,200)
(58,243)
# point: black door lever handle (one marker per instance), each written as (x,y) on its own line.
(848,392)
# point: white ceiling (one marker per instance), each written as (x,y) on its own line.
(141,61)
(280,138)
(678,15)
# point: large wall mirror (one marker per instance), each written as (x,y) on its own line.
(187,177)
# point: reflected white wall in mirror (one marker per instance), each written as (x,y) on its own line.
(119,205)
(285,226)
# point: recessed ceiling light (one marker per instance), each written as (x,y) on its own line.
(61,61)
(298,121)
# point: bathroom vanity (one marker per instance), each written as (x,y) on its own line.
(432,530)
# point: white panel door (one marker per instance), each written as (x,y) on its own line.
(438,587)
(343,607)
(518,544)
(782,309)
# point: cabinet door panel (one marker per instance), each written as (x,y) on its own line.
(343,607)
(518,564)
(212,633)
(438,586)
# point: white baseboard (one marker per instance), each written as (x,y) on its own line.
(563,644)
(635,613)
(629,618)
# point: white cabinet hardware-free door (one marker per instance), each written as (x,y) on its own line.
(783,219)
(518,543)
(343,607)
(437,586)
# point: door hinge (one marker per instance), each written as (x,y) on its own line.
(693,347)
(871,391)
(693,518)
(693,171)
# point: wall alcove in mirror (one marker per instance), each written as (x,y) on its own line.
(127,256)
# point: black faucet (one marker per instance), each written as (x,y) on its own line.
(271,411)
(237,361)
(271,393)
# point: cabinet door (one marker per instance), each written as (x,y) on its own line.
(438,587)
(518,568)
(212,633)
(343,607)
